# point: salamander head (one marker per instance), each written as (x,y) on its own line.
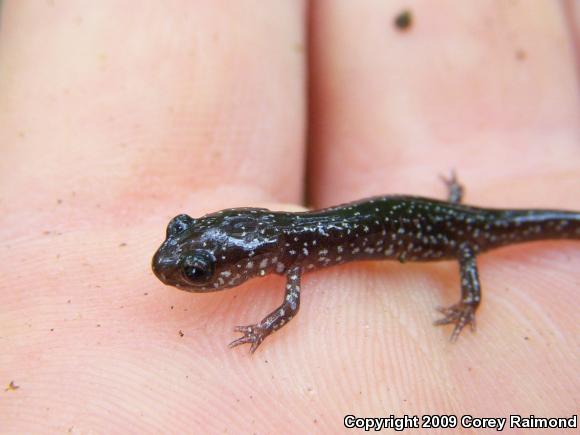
(216,251)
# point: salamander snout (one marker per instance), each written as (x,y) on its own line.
(191,270)
(164,267)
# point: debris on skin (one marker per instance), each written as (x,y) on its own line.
(11,387)
(181,334)
(404,20)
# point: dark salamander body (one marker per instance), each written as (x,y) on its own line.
(224,249)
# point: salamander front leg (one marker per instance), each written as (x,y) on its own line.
(255,334)
(463,312)
(454,188)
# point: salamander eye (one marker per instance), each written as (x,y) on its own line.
(198,267)
(179,224)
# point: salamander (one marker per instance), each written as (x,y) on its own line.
(226,248)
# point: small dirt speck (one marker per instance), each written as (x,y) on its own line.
(181,334)
(11,387)
(404,20)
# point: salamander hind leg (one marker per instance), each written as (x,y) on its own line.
(463,312)
(454,188)
(255,334)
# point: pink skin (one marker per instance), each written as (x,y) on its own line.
(114,119)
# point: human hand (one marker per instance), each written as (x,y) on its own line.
(115,119)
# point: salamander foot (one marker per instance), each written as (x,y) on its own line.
(460,314)
(454,188)
(254,334)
